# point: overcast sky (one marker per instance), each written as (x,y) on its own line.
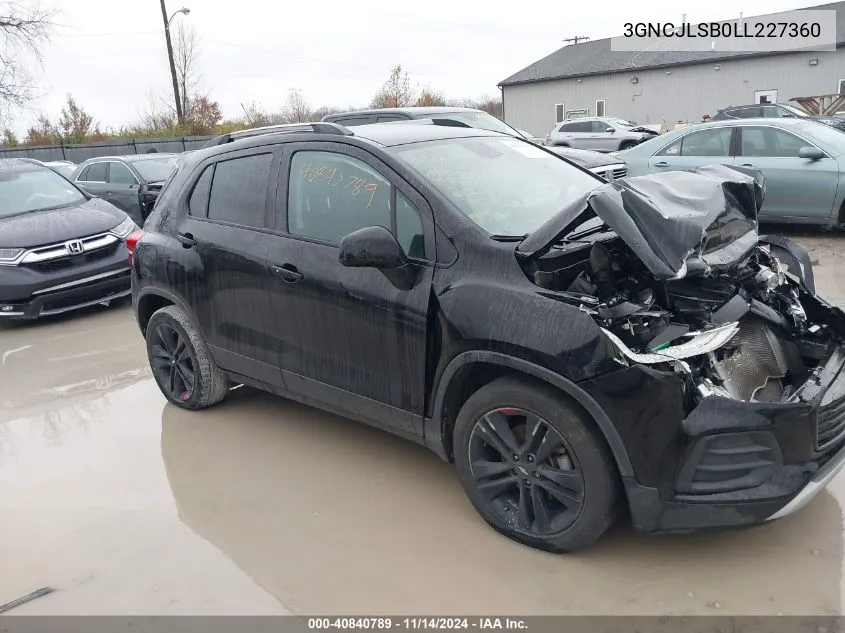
(111,55)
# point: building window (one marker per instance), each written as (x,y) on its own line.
(558,113)
(842,86)
(600,107)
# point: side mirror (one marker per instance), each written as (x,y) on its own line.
(811,153)
(371,247)
(376,247)
(611,130)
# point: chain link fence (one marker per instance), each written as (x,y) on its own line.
(115,147)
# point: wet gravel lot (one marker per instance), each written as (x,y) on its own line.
(125,504)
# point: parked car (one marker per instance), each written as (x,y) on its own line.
(803,162)
(60,249)
(600,134)
(63,167)
(471,117)
(479,295)
(131,183)
(775,111)
(603,165)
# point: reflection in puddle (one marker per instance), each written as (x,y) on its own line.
(330,516)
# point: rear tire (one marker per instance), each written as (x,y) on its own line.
(535,469)
(180,361)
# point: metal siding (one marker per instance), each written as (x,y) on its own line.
(686,94)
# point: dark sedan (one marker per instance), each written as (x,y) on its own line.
(60,249)
(131,183)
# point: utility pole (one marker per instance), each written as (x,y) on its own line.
(574,40)
(179,114)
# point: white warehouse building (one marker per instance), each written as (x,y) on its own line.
(665,87)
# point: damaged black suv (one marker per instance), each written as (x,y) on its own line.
(571,345)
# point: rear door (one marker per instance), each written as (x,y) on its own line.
(94,179)
(574,134)
(224,236)
(796,188)
(699,147)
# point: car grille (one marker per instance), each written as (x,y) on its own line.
(830,424)
(615,174)
(72,261)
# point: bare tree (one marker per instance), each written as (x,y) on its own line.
(256,116)
(23,30)
(396,91)
(296,108)
(186,51)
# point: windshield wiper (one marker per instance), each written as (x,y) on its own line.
(509,238)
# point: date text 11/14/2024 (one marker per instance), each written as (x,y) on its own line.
(417,623)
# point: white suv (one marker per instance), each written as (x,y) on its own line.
(600,134)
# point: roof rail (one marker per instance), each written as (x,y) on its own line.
(315,128)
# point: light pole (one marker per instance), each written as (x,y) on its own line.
(180,117)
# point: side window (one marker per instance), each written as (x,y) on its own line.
(715,142)
(97,172)
(770,143)
(331,195)
(409,229)
(749,113)
(119,174)
(239,190)
(600,126)
(83,175)
(198,203)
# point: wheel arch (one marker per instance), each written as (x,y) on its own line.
(151,299)
(479,366)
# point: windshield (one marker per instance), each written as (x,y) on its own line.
(22,191)
(506,186)
(826,137)
(155,169)
(480,120)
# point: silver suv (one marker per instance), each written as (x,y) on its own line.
(600,134)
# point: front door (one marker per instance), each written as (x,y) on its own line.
(348,336)
(604,137)
(709,146)
(765,96)
(795,187)
(224,237)
(122,190)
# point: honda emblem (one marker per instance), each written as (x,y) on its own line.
(75,247)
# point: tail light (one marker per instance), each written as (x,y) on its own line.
(131,242)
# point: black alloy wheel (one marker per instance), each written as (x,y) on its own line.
(525,470)
(535,466)
(172,362)
(180,360)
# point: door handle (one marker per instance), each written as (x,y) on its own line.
(186,239)
(662,163)
(288,272)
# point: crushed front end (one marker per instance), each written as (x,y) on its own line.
(730,391)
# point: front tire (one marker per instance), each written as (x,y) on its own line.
(627,145)
(534,468)
(180,361)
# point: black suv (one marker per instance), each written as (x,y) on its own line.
(568,343)
(776,111)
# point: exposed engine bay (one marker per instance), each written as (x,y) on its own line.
(735,316)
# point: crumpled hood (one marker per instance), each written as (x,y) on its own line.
(58,225)
(675,222)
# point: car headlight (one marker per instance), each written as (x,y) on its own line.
(124,229)
(9,256)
